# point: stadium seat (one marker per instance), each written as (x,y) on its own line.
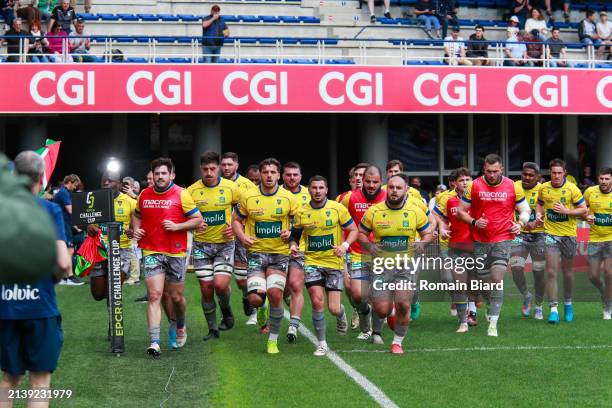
(142,39)
(300,61)
(467,3)
(168,17)
(262,61)
(108,17)
(249,19)
(485,23)
(289,41)
(165,40)
(88,16)
(189,17)
(268,40)
(231,19)
(148,17)
(289,19)
(309,19)
(229,40)
(126,40)
(407,2)
(184,40)
(384,20)
(247,40)
(136,60)
(487,3)
(270,19)
(127,17)
(177,60)
(225,61)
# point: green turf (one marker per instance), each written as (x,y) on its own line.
(235,371)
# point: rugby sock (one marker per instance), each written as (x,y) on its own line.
(461,312)
(377,323)
(554,309)
(493,319)
(497,298)
(275,317)
(399,334)
(172,324)
(154,334)
(180,321)
(342,314)
(318,320)
(518,275)
(364,317)
(472,307)
(295,321)
(210,312)
(224,300)
(415,299)
(567,302)
(540,285)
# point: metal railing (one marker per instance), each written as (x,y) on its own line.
(164,49)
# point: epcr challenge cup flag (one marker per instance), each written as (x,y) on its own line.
(49,154)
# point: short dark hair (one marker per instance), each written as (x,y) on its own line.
(531,165)
(556,163)
(292,165)
(452,176)
(462,171)
(359,166)
(317,178)
(456,29)
(270,161)
(393,163)
(493,158)
(402,176)
(590,12)
(479,26)
(209,157)
(252,167)
(555,29)
(230,155)
(162,161)
(605,170)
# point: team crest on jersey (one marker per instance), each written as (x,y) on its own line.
(405,224)
(405,215)
(562,199)
(328,213)
(257,201)
(328,223)
(119,203)
(279,210)
(308,215)
(222,199)
(221,191)
(278,201)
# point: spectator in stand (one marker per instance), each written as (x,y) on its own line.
(64,15)
(536,22)
(535,48)
(513,22)
(519,11)
(86,5)
(46,7)
(214,30)
(547,5)
(425,11)
(454,49)
(587,31)
(15,46)
(587,181)
(79,43)
(557,52)
(387,14)
(27,10)
(515,53)
(38,43)
(604,31)
(57,38)
(447,12)
(478,49)
(7,10)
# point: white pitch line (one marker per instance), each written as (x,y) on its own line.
(500,348)
(376,393)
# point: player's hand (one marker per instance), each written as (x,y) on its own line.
(139,233)
(129,233)
(531,225)
(373,249)
(202,227)
(339,251)
(284,235)
(445,232)
(92,230)
(127,190)
(247,242)
(419,247)
(228,232)
(539,219)
(560,208)
(169,226)
(515,228)
(295,251)
(590,219)
(481,223)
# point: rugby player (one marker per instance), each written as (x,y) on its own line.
(252,174)
(294,296)
(599,200)
(229,170)
(357,202)
(213,249)
(124,207)
(164,213)
(394,224)
(559,203)
(396,167)
(530,242)
(488,205)
(319,224)
(266,213)
(460,246)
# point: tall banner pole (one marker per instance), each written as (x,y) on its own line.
(115,293)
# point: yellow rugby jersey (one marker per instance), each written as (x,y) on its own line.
(243,183)
(394,229)
(441,209)
(321,231)
(570,196)
(303,196)
(600,205)
(215,204)
(265,217)
(124,207)
(531,196)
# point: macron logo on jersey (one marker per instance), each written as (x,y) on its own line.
(362,206)
(493,195)
(16,293)
(156,203)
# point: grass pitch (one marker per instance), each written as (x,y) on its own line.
(531,364)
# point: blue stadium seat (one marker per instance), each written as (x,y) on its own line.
(127,40)
(127,17)
(229,40)
(487,3)
(309,19)
(300,61)
(189,17)
(267,40)
(501,23)
(136,60)
(289,19)
(289,41)
(466,22)
(330,41)
(225,61)
(142,39)
(340,61)
(177,60)
(575,46)
(148,17)
(467,3)
(249,19)
(98,38)
(407,2)
(308,41)
(183,40)
(262,61)
(161,60)
(563,25)
(88,16)
(166,40)
(603,66)
(485,23)
(248,40)
(108,17)
(270,19)
(231,19)
(168,17)
(384,20)
(432,62)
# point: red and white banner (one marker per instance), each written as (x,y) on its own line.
(35,88)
